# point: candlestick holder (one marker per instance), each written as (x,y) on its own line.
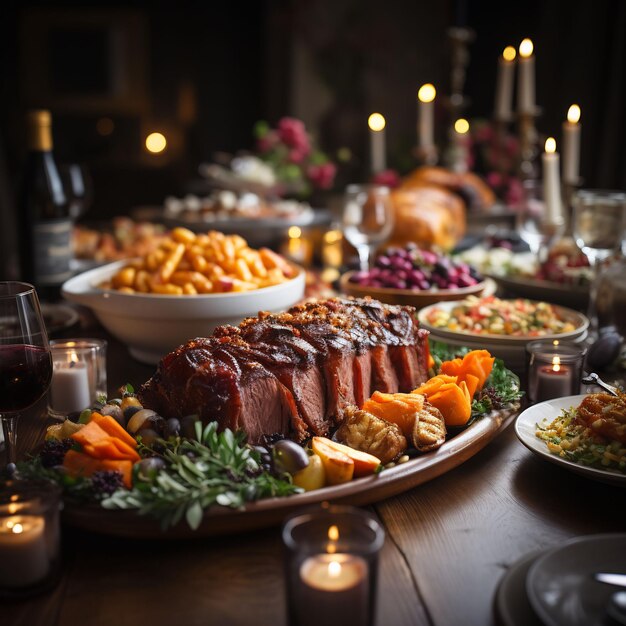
(426,156)
(79,375)
(331,566)
(554,369)
(29,537)
(529,144)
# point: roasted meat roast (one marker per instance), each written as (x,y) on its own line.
(294,372)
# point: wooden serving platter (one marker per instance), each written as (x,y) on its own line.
(456,450)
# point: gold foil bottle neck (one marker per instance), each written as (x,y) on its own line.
(39,130)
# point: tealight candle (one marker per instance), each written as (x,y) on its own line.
(376,123)
(23,552)
(426,116)
(571,145)
(526,79)
(504,85)
(555,369)
(29,536)
(331,567)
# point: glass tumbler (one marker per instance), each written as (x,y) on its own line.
(331,566)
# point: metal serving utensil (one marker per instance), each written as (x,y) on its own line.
(611,579)
(594,379)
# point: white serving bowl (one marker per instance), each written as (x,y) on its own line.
(152,325)
(511,349)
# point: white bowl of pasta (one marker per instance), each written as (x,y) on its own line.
(151,324)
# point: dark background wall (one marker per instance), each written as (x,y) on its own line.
(203,73)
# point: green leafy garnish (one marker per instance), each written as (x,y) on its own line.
(215,469)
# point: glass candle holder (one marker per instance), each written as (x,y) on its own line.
(554,369)
(79,375)
(331,566)
(29,537)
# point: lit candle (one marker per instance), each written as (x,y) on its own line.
(335,590)
(24,558)
(526,79)
(461,128)
(571,145)
(298,248)
(553,381)
(551,183)
(504,85)
(69,389)
(376,123)
(426,116)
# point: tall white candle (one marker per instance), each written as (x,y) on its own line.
(526,78)
(376,123)
(503,108)
(69,388)
(24,556)
(426,116)
(551,183)
(459,138)
(571,146)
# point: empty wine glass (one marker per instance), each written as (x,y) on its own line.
(598,229)
(533,227)
(25,361)
(77,187)
(367,219)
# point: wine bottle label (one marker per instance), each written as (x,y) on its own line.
(53,251)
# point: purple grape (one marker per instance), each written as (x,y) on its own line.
(400,284)
(417,275)
(384,261)
(424,285)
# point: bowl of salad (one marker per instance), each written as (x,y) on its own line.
(504,327)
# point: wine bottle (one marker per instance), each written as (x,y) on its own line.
(45,223)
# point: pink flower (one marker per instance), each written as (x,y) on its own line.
(322,176)
(494,179)
(267,142)
(293,134)
(388,178)
(515,192)
(296,156)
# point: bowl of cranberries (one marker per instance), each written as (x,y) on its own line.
(415,277)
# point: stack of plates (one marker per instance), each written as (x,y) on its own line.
(559,588)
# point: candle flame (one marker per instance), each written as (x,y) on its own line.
(334,569)
(556,363)
(333,533)
(526,48)
(573,114)
(461,126)
(294,232)
(551,145)
(509,53)
(427,93)
(376,122)
(156,143)
(17,529)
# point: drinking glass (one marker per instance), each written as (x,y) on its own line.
(77,187)
(598,229)
(367,219)
(25,361)
(532,225)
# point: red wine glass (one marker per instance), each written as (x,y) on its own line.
(25,360)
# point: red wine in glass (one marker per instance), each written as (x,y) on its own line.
(25,360)
(25,371)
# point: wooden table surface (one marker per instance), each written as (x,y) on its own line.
(448,543)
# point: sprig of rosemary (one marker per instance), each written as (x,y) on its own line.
(215,469)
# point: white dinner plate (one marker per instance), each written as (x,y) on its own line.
(542,414)
(561,586)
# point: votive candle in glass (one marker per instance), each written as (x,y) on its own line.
(331,566)
(29,536)
(554,369)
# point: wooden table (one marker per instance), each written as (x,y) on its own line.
(448,543)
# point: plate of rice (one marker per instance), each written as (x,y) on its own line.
(560,431)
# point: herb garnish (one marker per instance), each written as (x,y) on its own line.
(217,468)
